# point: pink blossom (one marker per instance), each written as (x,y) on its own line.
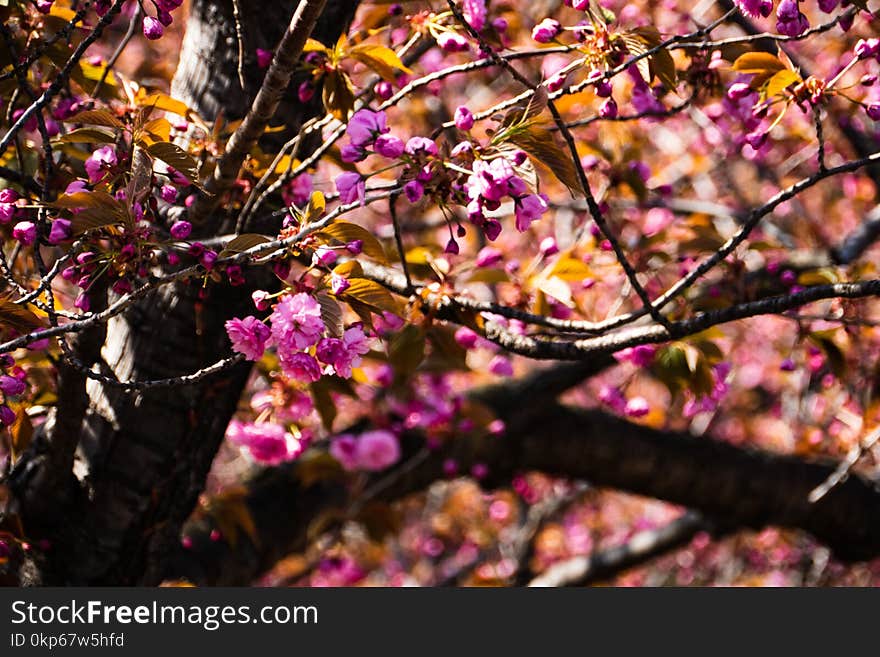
(452,42)
(466,337)
(376,450)
(60,231)
(501,366)
(344,449)
(548,247)
(414,191)
(180,230)
(464,120)
(153,28)
(547,30)
(25,232)
(364,126)
(8,197)
(299,366)
(264,443)
(168,193)
(11,385)
(338,284)
(7,416)
(657,220)
(264,57)
(489,256)
(345,353)
(417,145)
(637,407)
(296,324)
(389,146)
(248,336)
(351,187)
(99,162)
(474,12)
(528,209)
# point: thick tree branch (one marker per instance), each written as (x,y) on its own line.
(736,487)
(263,109)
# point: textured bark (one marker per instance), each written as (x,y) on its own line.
(143,457)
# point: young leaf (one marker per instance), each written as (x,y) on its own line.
(372,295)
(96,117)
(173,155)
(539,143)
(18,317)
(243,243)
(345,232)
(87,136)
(381,59)
(331,313)
(162,102)
(338,94)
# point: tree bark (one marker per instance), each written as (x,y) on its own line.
(142,457)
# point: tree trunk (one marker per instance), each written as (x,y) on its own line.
(142,457)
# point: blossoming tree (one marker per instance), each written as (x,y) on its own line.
(286,311)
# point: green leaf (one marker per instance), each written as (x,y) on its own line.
(95,199)
(92,218)
(163,102)
(663,66)
(758,62)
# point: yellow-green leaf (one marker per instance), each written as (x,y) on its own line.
(381,59)
(780,82)
(758,62)
(162,102)
(338,94)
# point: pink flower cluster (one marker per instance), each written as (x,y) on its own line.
(265,443)
(492,181)
(296,330)
(371,451)
(154,28)
(368,129)
(12,383)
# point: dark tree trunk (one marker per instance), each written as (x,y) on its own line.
(142,457)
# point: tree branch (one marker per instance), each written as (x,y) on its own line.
(263,109)
(642,547)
